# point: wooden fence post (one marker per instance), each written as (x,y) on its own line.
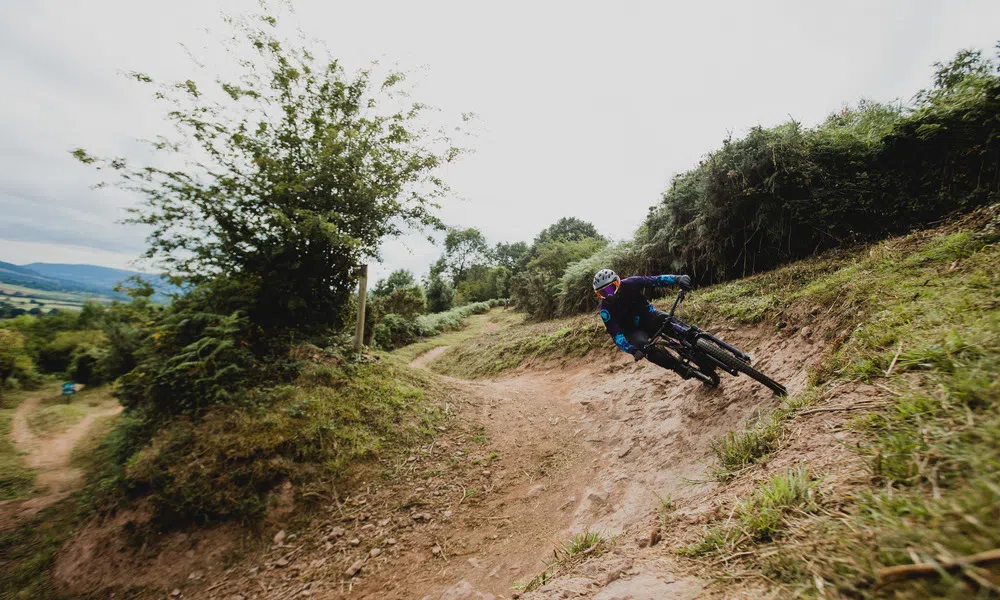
(359,334)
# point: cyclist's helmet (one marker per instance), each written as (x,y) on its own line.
(606,283)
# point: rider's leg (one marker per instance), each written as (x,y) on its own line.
(651,322)
(658,356)
(667,360)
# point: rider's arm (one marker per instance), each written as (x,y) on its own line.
(647,282)
(615,331)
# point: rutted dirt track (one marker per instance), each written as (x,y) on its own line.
(529,460)
(49,456)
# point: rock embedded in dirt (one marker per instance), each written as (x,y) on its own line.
(391,541)
(536,491)
(569,588)
(335,533)
(281,562)
(655,537)
(375,552)
(279,537)
(598,497)
(355,568)
(196,576)
(436,550)
(355,542)
(175,593)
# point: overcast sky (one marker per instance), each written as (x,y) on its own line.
(586,108)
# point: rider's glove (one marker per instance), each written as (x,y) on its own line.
(684,282)
(639,355)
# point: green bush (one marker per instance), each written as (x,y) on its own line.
(783,193)
(200,352)
(58,355)
(395,330)
(451,320)
(540,296)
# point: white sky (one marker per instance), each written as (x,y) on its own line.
(586,108)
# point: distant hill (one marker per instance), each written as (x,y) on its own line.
(27,277)
(88,275)
(86,279)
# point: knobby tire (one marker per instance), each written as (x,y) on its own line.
(732,362)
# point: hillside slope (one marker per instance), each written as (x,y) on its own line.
(884,455)
(560,468)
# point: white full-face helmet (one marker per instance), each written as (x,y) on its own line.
(606,283)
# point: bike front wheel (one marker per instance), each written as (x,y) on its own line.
(730,361)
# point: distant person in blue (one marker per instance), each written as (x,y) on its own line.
(631,319)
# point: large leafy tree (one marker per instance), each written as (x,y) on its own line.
(400,278)
(567,229)
(283,179)
(463,249)
(512,255)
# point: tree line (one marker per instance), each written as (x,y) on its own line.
(471,271)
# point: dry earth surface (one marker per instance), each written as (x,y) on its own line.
(524,462)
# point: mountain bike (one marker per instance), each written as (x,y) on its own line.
(703,352)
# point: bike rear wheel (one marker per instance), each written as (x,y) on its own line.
(724,357)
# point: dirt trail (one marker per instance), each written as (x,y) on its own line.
(425,358)
(49,456)
(528,460)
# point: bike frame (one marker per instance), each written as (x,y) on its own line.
(681,337)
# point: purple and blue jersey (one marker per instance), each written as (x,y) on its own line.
(622,312)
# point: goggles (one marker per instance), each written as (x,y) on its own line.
(609,290)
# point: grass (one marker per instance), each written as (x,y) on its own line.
(474,325)
(313,434)
(498,351)
(930,301)
(580,542)
(87,454)
(28,552)
(56,412)
(759,437)
(16,480)
(761,516)
(739,449)
(564,553)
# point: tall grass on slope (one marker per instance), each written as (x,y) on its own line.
(498,351)
(762,515)
(932,302)
(227,464)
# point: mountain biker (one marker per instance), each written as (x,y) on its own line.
(631,319)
